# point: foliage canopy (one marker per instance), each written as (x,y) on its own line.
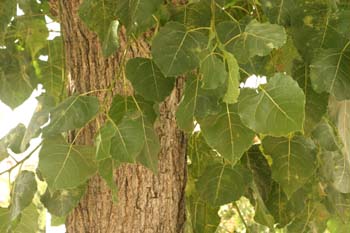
(285,145)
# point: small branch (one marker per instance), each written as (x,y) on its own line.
(21,161)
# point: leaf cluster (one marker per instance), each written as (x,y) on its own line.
(283,144)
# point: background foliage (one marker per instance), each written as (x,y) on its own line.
(284,145)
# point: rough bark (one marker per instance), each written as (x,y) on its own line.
(146,202)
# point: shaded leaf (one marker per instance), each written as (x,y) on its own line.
(147,79)
(52,71)
(175,49)
(325,136)
(221,184)
(106,171)
(276,108)
(213,70)
(99,16)
(293,161)
(329,72)
(316,103)
(61,202)
(204,218)
(22,194)
(13,141)
(64,165)
(17,78)
(29,222)
(261,38)
(260,169)
(123,105)
(136,16)
(340,115)
(128,140)
(72,113)
(4,219)
(196,102)
(103,141)
(225,133)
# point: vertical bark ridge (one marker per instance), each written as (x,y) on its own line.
(147,203)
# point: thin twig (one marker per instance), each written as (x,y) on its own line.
(21,161)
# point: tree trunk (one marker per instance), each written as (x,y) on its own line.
(146,202)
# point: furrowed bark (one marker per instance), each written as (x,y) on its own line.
(146,202)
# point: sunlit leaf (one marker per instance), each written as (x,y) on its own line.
(276,108)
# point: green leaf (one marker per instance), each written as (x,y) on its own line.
(106,171)
(72,113)
(213,70)
(65,165)
(204,218)
(128,140)
(111,42)
(52,71)
(61,202)
(261,171)
(280,11)
(137,15)
(17,78)
(33,32)
(123,105)
(276,108)
(196,102)
(294,161)
(39,118)
(316,103)
(176,50)
(5,220)
(29,222)
(329,72)
(148,80)
(221,184)
(336,225)
(232,92)
(7,11)
(149,154)
(99,16)
(23,192)
(13,140)
(340,114)
(325,136)
(135,139)
(261,38)
(103,141)
(225,133)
